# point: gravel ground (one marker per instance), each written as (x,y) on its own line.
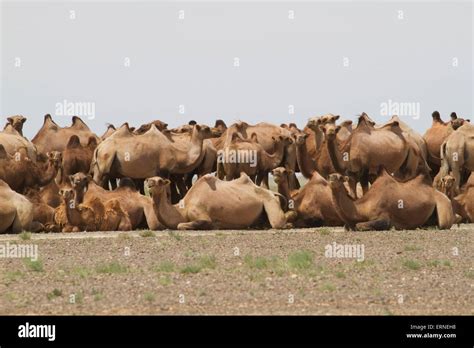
(241,272)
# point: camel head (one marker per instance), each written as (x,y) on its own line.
(447,184)
(300,138)
(330,130)
(17,122)
(203,130)
(67,194)
(55,159)
(157,185)
(329,118)
(80,180)
(281,174)
(313,123)
(281,139)
(458,122)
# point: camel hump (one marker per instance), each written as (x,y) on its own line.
(127,182)
(392,125)
(436,117)
(220,123)
(74,142)
(92,141)
(346,123)
(453,116)
(3,152)
(254,137)
(78,123)
(110,126)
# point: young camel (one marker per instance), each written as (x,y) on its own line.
(312,203)
(391,203)
(216,204)
(94,216)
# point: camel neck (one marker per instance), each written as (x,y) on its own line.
(167,214)
(345,206)
(304,161)
(335,155)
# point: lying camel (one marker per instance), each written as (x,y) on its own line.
(392,203)
(138,207)
(94,216)
(20,172)
(312,203)
(215,204)
(457,154)
(16,212)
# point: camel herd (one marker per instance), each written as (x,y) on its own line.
(363,176)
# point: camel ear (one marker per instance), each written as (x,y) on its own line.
(88,178)
(10,120)
(290,172)
(70,178)
(167,182)
(468,120)
(337,117)
(322,128)
(453,116)
(198,127)
(338,128)
(23,120)
(50,155)
(346,178)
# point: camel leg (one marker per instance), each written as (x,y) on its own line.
(181,186)
(293,182)
(220,170)
(275,215)
(196,225)
(444,210)
(374,225)
(174,193)
(364,181)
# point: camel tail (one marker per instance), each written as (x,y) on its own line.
(444,210)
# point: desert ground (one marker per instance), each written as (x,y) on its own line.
(241,272)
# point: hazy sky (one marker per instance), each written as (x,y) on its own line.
(138,61)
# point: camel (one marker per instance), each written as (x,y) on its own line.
(42,212)
(244,156)
(215,204)
(16,122)
(125,154)
(94,216)
(77,157)
(457,154)
(265,133)
(20,172)
(52,137)
(360,155)
(436,135)
(13,141)
(463,203)
(138,207)
(16,212)
(392,203)
(312,204)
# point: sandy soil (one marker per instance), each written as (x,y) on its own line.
(241,272)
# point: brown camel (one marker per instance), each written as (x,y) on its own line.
(248,156)
(42,212)
(20,172)
(360,156)
(436,135)
(146,127)
(77,157)
(215,204)
(16,212)
(125,154)
(13,141)
(16,122)
(312,203)
(52,137)
(457,154)
(138,207)
(392,203)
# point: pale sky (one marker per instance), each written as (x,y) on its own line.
(314,57)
